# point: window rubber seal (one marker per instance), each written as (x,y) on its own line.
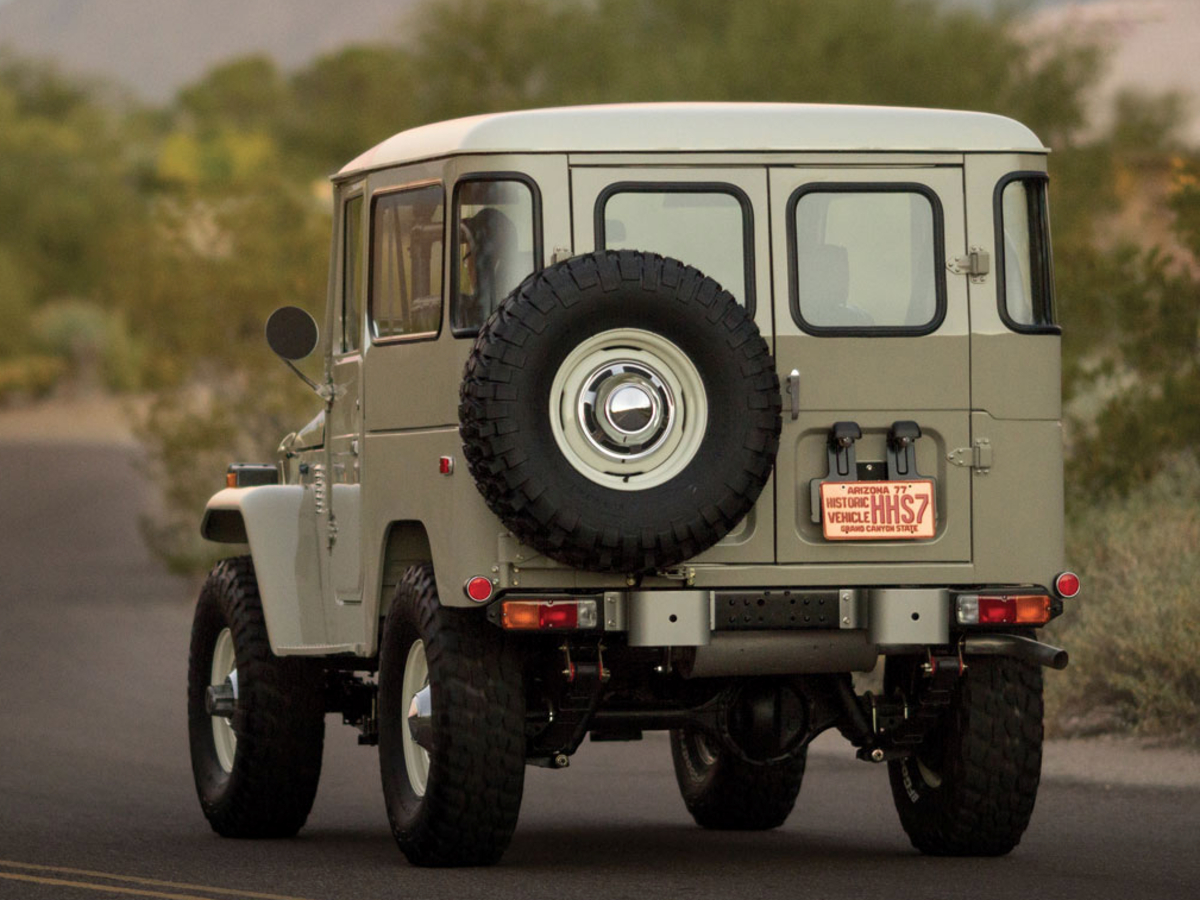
(998,229)
(538,239)
(423,336)
(939,260)
(688,187)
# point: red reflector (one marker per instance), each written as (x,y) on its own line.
(1067,584)
(479,589)
(996,610)
(446,465)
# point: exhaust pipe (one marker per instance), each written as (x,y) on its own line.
(1015,645)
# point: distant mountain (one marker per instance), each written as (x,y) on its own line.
(156,46)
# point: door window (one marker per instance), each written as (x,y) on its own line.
(709,226)
(1025,271)
(352,287)
(406,263)
(866,259)
(498,244)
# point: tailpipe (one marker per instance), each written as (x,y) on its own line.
(1017,646)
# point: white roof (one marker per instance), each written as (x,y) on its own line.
(713,127)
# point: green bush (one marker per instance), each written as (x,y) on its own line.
(30,376)
(1134,632)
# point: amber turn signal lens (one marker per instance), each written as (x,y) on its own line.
(1033,610)
(231,479)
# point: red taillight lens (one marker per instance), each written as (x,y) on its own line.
(479,589)
(995,611)
(1067,584)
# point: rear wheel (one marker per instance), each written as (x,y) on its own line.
(257,767)
(724,792)
(451,729)
(969,789)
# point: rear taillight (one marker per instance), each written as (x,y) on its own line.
(1003,609)
(547,615)
(1067,585)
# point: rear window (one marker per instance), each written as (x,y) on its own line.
(406,263)
(706,225)
(1025,271)
(498,229)
(866,259)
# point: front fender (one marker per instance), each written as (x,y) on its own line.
(279,524)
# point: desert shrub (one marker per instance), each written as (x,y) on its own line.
(29,376)
(1134,632)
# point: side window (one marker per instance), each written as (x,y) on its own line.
(498,243)
(709,226)
(1025,270)
(406,263)
(352,286)
(867,258)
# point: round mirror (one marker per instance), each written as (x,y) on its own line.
(291,332)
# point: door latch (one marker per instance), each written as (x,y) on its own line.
(793,389)
(975,265)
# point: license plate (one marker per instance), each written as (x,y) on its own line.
(877,510)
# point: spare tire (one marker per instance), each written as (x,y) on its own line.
(620,412)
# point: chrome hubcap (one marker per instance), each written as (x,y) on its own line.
(628,409)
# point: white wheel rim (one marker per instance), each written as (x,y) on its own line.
(706,754)
(224,666)
(930,777)
(628,409)
(416,677)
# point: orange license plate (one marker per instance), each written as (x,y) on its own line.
(877,510)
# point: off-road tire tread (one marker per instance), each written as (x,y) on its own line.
(987,795)
(279,722)
(513,482)
(477,773)
(736,795)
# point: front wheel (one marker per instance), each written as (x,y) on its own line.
(256,721)
(451,729)
(969,789)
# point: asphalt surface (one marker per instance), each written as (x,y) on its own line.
(96,795)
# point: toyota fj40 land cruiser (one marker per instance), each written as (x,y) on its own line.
(557,489)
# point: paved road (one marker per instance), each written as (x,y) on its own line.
(96,796)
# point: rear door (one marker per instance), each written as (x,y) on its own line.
(871,328)
(705,217)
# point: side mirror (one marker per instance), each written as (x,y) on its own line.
(292,333)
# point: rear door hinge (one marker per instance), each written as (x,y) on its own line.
(975,265)
(977,456)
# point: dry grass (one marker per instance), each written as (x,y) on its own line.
(1134,636)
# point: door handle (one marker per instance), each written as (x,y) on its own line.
(793,389)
